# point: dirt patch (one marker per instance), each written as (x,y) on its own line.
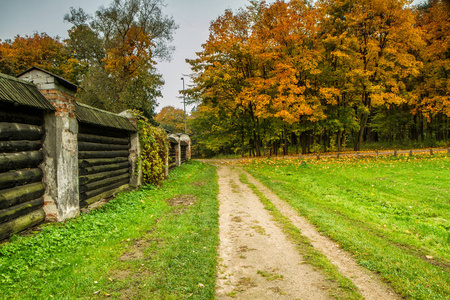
(120,274)
(132,255)
(246,282)
(243,249)
(198,183)
(137,250)
(127,294)
(182,200)
(236,219)
(276,290)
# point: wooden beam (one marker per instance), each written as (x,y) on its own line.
(21,223)
(86,195)
(86,179)
(14,114)
(17,178)
(104,168)
(21,194)
(92,138)
(18,131)
(16,211)
(102,154)
(101,161)
(104,195)
(105,182)
(86,146)
(16,146)
(20,160)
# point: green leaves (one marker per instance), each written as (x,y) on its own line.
(153,152)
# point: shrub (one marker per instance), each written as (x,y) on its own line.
(153,156)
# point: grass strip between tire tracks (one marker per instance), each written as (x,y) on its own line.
(342,288)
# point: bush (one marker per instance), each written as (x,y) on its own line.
(153,156)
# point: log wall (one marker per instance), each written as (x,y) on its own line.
(172,157)
(21,187)
(103,161)
(183,152)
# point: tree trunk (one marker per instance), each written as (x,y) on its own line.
(339,140)
(360,134)
(285,141)
(242,142)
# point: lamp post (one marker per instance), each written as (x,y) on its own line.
(184,102)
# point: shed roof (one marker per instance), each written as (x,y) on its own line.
(92,115)
(16,91)
(65,83)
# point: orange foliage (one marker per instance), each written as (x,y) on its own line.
(39,50)
(129,52)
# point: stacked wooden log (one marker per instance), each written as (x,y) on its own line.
(172,155)
(21,187)
(103,162)
(183,147)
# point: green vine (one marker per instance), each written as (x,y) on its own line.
(153,156)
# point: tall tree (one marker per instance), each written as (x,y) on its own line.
(120,46)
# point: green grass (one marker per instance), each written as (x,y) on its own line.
(392,213)
(138,247)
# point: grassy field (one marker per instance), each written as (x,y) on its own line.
(156,243)
(392,213)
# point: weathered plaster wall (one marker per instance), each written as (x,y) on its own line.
(60,166)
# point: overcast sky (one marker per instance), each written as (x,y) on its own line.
(24,17)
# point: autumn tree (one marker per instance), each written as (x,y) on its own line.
(40,50)
(222,72)
(120,46)
(432,92)
(171,119)
(287,88)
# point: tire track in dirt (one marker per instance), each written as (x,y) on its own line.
(257,261)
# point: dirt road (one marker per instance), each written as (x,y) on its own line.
(257,261)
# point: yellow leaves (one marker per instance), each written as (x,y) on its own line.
(330,94)
(386,98)
(339,54)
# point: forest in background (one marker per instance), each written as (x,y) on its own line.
(323,76)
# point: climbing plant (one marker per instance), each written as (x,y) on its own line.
(153,155)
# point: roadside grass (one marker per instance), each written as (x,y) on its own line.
(342,287)
(144,244)
(392,213)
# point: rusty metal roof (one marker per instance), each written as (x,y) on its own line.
(92,115)
(16,91)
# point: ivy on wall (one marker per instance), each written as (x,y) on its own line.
(153,156)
